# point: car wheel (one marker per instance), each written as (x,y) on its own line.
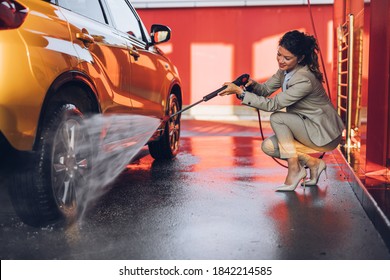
(167,146)
(47,192)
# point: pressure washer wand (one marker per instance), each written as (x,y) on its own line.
(240,81)
(204,99)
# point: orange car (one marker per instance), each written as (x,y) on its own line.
(61,60)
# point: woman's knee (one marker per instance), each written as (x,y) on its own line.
(270,147)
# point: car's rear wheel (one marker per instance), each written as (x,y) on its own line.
(167,147)
(47,192)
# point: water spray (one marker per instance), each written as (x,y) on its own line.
(113,142)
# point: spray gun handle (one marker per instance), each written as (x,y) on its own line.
(242,80)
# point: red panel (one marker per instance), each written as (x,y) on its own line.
(378,96)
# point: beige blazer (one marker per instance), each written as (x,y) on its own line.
(304,96)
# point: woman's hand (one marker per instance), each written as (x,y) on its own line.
(231,89)
(249,83)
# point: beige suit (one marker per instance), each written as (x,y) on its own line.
(304,96)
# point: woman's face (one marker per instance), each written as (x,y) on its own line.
(286,60)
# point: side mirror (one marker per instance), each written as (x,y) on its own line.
(160,34)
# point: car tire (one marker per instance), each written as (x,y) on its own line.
(45,192)
(167,146)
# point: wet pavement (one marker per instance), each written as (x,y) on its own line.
(217,200)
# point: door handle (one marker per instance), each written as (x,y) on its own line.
(134,53)
(85,37)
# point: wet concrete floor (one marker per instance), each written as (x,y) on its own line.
(217,200)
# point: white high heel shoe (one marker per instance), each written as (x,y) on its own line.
(313,181)
(297,180)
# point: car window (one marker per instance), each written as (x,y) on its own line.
(124,18)
(146,33)
(88,8)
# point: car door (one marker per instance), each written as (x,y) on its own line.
(147,71)
(103,52)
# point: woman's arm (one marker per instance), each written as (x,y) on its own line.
(270,86)
(260,89)
(299,88)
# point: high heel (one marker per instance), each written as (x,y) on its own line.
(292,187)
(313,181)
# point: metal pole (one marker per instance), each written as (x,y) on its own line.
(339,66)
(350,78)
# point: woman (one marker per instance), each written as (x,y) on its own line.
(310,123)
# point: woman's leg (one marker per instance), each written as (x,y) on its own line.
(291,137)
(286,145)
(316,165)
(292,142)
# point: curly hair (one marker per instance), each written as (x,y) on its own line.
(305,48)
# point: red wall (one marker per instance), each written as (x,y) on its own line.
(213,45)
(378,116)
